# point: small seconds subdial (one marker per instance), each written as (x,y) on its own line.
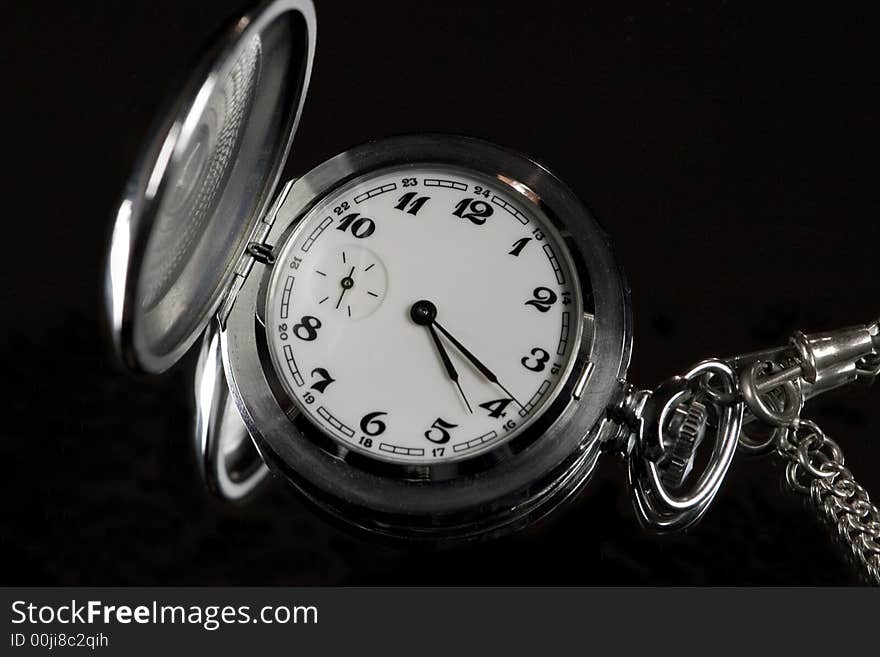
(423,314)
(351,280)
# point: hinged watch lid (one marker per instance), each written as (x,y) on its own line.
(205,176)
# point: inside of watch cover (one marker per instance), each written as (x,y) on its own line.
(205,177)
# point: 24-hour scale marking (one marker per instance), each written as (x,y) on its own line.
(316,233)
(511,209)
(381,189)
(324,413)
(285,298)
(563,334)
(436,182)
(476,442)
(291,364)
(545,386)
(396,449)
(548,250)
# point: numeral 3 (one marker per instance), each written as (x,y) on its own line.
(540,357)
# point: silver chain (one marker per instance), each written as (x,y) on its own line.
(815,467)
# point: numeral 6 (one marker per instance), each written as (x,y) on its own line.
(372,426)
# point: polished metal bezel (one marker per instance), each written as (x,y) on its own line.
(464,464)
(462,502)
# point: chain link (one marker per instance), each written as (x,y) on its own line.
(815,467)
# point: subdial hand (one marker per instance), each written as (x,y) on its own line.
(421,318)
(425,312)
(347,283)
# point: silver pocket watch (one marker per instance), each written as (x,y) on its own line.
(427,335)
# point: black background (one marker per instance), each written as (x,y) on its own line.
(729,149)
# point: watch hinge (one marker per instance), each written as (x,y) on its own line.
(257,250)
(262,252)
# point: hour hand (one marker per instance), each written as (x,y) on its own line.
(450,368)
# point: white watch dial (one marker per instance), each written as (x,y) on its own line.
(423,314)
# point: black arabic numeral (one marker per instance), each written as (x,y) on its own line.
(474,210)
(541,357)
(496,407)
(414,205)
(519,245)
(308,330)
(324,379)
(438,433)
(282,331)
(544,298)
(372,426)
(360,228)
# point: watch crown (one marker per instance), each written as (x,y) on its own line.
(687,429)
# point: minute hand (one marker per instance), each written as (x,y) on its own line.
(447,363)
(485,371)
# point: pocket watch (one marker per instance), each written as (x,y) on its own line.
(428,335)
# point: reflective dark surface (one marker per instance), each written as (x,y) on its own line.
(729,152)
